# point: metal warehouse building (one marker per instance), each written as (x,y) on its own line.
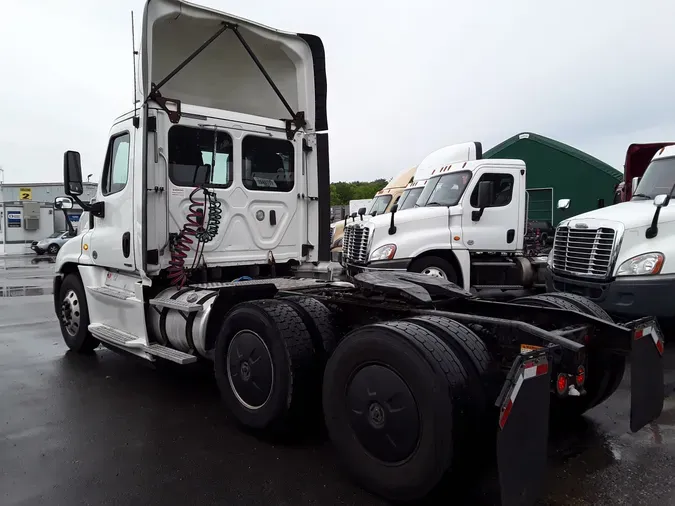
(558,171)
(27,213)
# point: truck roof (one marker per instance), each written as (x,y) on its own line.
(445,157)
(400,180)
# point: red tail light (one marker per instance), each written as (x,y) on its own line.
(561,384)
(581,375)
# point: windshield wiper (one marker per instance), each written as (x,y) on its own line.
(433,204)
(642,195)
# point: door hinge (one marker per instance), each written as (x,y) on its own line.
(156,189)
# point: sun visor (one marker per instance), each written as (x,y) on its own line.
(225,75)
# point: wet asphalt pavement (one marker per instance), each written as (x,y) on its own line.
(109,430)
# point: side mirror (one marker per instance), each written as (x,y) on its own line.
(394,208)
(564,203)
(72,173)
(484,194)
(63,203)
(634,184)
(362,211)
(660,200)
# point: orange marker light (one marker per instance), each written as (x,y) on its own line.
(456,238)
(85,247)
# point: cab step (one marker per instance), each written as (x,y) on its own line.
(115,293)
(121,339)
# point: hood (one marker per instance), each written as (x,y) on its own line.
(224,75)
(633,214)
(406,216)
(638,158)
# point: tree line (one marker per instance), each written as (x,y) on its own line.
(341,192)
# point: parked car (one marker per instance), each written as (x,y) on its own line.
(51,244)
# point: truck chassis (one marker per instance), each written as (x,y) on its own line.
(410,370)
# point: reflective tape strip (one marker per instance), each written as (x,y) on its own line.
(529,370)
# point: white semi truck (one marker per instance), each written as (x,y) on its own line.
(623,256)
(468,225)
(220,173)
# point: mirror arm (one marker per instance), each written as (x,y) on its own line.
(477,215)
(653,229)
(392,227)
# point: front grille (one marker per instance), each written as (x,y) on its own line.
(583,251)
(355,244)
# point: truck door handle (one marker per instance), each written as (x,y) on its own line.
(273,217)
(126,244)
(510,235)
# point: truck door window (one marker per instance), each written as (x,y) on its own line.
(116,169)
(199,156)
(267,164)
(502,187)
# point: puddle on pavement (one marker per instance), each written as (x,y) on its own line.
(23,291)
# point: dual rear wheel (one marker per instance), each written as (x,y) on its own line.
(398,398)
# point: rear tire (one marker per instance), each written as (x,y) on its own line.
(387,400)
(434,266)
(263,364)
(598,386)
(319,322)
(74,316)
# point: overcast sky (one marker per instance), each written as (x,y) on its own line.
(404,77)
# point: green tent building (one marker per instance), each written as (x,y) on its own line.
(558,171)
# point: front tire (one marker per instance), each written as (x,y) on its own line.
(388,405)
(53,249)
(435,266)
(74,318)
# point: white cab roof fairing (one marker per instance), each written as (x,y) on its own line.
(224,76)
(443,158)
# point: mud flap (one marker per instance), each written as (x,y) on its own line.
(522,441)
(646,373)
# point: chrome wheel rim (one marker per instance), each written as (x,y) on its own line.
(71,312)
(434,272)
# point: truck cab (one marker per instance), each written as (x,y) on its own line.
(382,203)
(468,225)
(622,256)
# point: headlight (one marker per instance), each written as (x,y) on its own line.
(640,265)
(337,243)
(385,252)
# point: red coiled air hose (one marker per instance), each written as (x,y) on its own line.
(177,273)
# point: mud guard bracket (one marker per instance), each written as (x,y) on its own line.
(646,373)
(522,441)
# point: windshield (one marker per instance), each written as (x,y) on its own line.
(409,198)
(659,178)
(445,190)
(379,205)
(55,234)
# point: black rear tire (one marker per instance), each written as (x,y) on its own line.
(74,316)
(263,364)
(387,399)
(605,370)
(319,322)
(432,265)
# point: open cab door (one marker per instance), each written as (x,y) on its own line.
(250,101)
